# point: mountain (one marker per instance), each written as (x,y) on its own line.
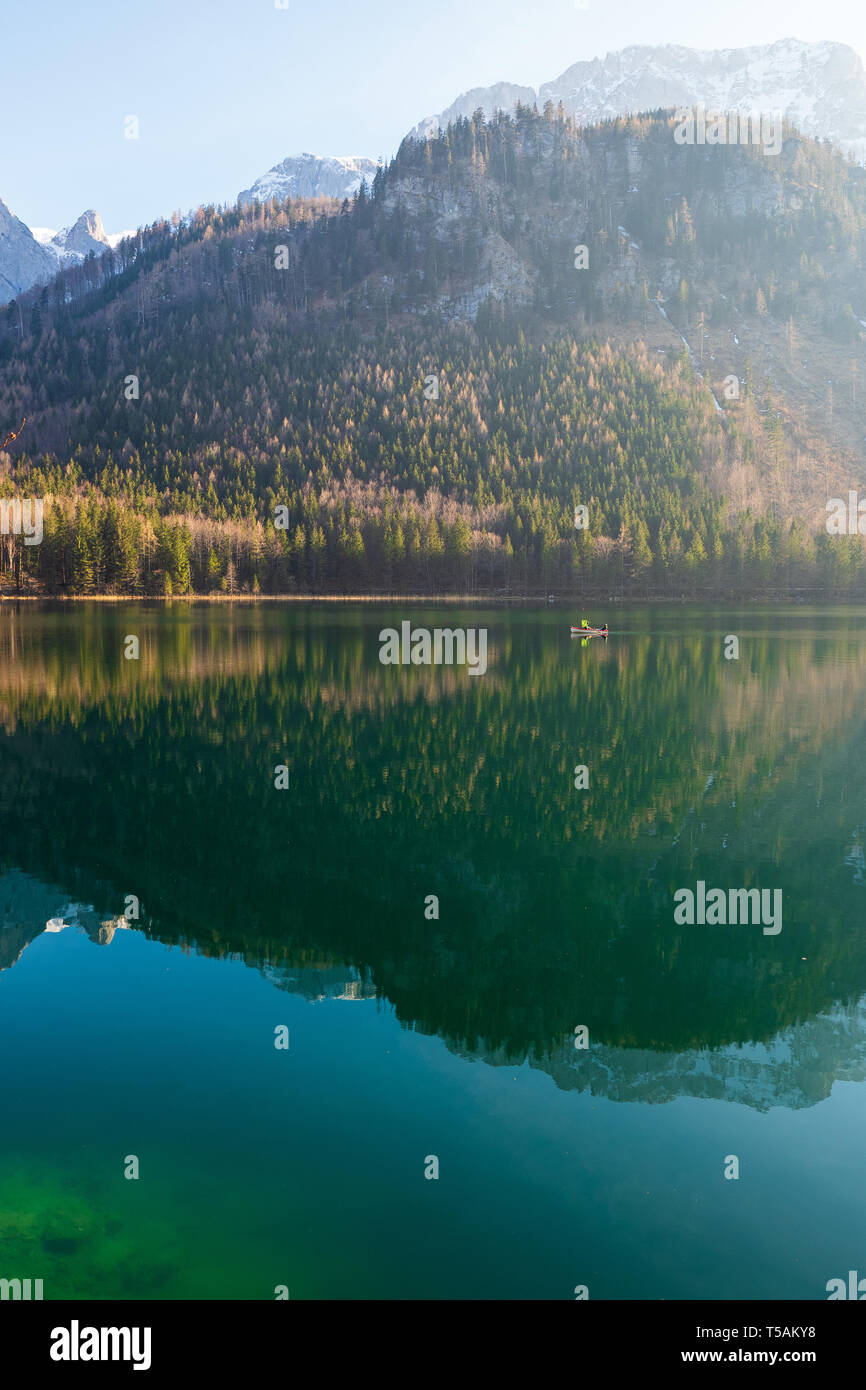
(312,176)
(23,262)
(819,87)
(503,96)
(71,244)
(670,336)
(32,255)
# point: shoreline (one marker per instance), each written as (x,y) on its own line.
(434,600)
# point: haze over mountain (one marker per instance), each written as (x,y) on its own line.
(312,176)
(32,255)
(819,87)
(691,376)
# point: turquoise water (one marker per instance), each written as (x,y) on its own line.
(409,1037)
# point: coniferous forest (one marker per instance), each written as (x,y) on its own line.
(371,397)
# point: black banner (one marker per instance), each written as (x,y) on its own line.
(160,1339)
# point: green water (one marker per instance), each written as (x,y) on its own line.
(412,1036)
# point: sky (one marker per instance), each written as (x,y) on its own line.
(224,89)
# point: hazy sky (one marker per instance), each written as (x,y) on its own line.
(223,89)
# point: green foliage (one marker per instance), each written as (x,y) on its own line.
(303,386)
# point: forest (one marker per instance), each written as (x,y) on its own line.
(236,402)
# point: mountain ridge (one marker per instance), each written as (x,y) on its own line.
(819,87)
(312,176)
(280,353)
(32,255)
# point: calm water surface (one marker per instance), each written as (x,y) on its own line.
(412,1037)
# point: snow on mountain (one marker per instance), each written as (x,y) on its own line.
(83,237)
(33,255)
(23,262)
(818,87)
(72,244)
(312,176)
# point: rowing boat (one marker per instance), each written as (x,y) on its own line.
(588,631)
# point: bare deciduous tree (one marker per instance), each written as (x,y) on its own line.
(13,434)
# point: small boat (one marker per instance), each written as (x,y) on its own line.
(586,631)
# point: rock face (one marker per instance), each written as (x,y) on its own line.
(72,244)
(84,236)
(32,256)
(312,176)
(23,262)
(819,87)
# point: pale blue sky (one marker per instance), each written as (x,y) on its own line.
(223,89)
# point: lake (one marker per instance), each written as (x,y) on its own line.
(439,917)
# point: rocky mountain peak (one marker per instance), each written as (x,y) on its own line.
(23,262)
(85,235)
(312,176)
(819,87)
